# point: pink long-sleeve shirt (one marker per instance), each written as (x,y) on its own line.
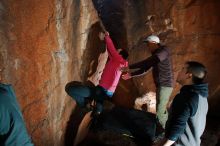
(111,73)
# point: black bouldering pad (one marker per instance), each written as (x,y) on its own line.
(131,122)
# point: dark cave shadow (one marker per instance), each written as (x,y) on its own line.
(72,126)
(111,125)
(94,48)
(112,14)
(75,117)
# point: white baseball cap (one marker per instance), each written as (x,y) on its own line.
(152,38)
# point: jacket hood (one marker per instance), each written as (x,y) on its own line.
(201,89)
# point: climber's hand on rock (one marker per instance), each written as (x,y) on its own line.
(107,33)
(101,36)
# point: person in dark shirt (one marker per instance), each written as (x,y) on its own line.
(187,117)
(12,127)
(160,62)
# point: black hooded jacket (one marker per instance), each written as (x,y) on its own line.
(187,117)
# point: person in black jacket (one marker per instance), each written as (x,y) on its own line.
(161,63)
(187,117)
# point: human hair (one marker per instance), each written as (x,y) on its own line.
(197,70)
(124,54)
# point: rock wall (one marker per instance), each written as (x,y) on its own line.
(45,44)
(188,27)
(42,44)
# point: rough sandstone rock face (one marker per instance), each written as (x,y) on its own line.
(42,44)
(45,44)
(189,28)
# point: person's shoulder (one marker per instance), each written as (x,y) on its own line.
(192,99)
(164,47)
(188,95)
(193,96)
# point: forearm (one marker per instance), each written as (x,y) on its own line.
(138,64)
(110,46)
(109,43)
(137,73)
(168,142)
(146,64)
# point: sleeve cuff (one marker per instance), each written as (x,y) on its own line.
(173,138)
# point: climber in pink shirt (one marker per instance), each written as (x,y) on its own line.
(117,59)
(112,71)
(109,79)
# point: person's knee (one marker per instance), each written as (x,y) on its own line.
(67,87)
(71,89)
